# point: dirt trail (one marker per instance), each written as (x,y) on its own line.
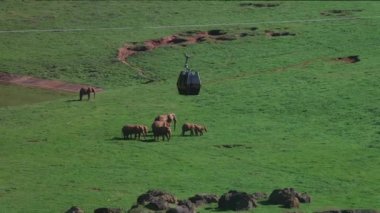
(30,81)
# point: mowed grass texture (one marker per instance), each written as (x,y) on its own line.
(303,119)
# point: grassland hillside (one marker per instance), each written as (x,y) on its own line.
(293,115)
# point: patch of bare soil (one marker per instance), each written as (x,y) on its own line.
(130,49)
(278,33)
(183,39)
(250,4)
(336,12)
(30,81)
(349,59)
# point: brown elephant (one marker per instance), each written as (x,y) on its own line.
(188,127)
(171,117)
(199,129)
(87,92)
(141,130)
(161,128)
(136,130)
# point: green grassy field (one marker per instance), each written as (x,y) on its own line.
(303,119)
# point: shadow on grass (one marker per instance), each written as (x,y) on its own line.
(118,139)
(150,140)
(146,140)
(72,100)
(186,135)
(265,203)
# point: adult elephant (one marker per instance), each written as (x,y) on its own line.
(188,127)
(136,130)
(199,129)
(168,118)
(87,92)
(161,128)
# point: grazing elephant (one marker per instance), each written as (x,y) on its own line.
(199,129)
(171,117)
(87,92)
(143,130)
(188,127)
(136,130)
(161,128)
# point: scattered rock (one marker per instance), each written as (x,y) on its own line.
(336,12)
(216,32)
(109,210)
(139,209)
(237,201)
(201,199)
(274,34)
(288,197)
(349,59)
(260,196)
(157,204)
(74,209)
(177,40)
(303,197)
(184,206)
(243,34)
(161,206)
(226,38)
(155,195)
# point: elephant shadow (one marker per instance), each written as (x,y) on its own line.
(148,140)
(117,139)
(187,135)
(72,100)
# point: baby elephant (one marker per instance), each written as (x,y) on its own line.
(163,131)
(198,129)
(188,127)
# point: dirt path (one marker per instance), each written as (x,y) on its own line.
(30,81)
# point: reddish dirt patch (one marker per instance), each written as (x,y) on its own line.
(349,59)
(276,33)
(185,38)
(30,81)
(131,49)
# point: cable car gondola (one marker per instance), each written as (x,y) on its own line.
(189,82)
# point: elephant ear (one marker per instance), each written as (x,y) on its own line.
(172,116)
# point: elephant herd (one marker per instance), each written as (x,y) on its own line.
(161,127)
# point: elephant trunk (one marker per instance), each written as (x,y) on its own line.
(93,90)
